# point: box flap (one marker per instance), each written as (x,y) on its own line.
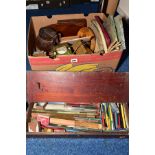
(41,21)
(108,6)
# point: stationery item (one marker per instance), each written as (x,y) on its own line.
(123,118)
(102,115)
(116,120)
(106,116)
(120,116)
(108,121)
(60,117)
(125,108)
(47,38)
(109,124)
(114,46)
(102,118)
(120,31)
(87,32)
(105,33)
(111,45)
(111,118)
(114,108)
(119,121)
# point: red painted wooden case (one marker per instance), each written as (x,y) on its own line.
(94,87)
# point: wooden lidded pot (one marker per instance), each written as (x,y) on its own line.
(47,38)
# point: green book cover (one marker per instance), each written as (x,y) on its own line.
(120,31)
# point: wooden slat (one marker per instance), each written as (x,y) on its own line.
(77,87)
(119,134)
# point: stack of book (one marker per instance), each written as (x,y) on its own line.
(65,117)
(109,34)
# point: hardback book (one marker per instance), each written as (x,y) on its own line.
(105,33)
(100,40)
(109,25)
(120,31)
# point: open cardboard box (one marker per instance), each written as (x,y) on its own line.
(105,62)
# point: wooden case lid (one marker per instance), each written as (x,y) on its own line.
(77,87)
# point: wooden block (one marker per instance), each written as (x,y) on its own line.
(79,48)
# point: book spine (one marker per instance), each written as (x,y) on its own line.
(105,33)
(73,123)
(70,123)
(88,125)
(120,31)
(101,34)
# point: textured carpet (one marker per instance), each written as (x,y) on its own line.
(83,146)
(77,146)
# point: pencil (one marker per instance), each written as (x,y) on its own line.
(122,111)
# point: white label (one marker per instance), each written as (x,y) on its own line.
(74,60)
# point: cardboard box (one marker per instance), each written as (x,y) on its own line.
(105,62)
